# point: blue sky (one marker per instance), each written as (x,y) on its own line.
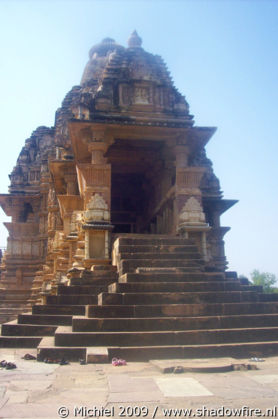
(223,57)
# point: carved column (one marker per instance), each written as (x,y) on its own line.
(189,214)
(68,204)
(70,179)
(95,177)
(94,181)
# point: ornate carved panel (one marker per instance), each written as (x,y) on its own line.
(192,212)
(141,95)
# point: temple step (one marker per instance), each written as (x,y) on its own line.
(163,248)
(7,317)
(14,303)
(48,350)
(59,309)
(84,324)
(181,310)
(81,289)
(20,341)
(131,287)
(15,296)
(235,350)
(44,319)
(171,276)
(64,336)
(14,329)
(176,297)
(71,299)
(204,286)
(129,265)
(94,281)
(268,297)
(152,240)
(165,255)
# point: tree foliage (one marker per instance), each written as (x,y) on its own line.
(266,279)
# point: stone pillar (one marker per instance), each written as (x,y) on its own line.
(217,253)
(97,148)
(94,181)
(97,231)
(70,179)
(189,214)
(95,177)
(68,205)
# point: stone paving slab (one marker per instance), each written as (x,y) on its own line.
(266,379)
(14,397)
(2,391)
(90,381)
(131,389)
(29,385)
(181,387)
(122,383)
(140,396)
(237,386)
(29,411)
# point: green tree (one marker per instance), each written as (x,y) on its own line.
(266,279)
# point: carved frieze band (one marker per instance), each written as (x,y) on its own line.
(93,176)
(189,177)
(27,248)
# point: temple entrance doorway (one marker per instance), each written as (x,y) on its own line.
(140,182)
(128,202)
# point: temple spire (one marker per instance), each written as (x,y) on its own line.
(134,41)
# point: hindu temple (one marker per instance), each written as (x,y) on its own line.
(115,245)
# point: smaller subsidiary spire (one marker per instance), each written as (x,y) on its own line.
(134,41)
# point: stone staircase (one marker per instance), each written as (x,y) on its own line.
(12,303)
(16,292)
(29,328)
(161,304)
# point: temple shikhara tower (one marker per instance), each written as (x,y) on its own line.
(115,244)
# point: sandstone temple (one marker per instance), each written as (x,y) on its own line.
(115,245)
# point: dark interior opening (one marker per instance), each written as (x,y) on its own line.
(26,211)
(128,202)
(137,175)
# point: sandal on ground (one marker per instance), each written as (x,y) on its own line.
(64,362)
(178,369)
(51,361)
(10,366)
(116,362)
(29,357)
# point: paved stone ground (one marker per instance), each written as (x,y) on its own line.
(38,390)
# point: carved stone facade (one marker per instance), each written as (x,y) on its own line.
(124,156)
